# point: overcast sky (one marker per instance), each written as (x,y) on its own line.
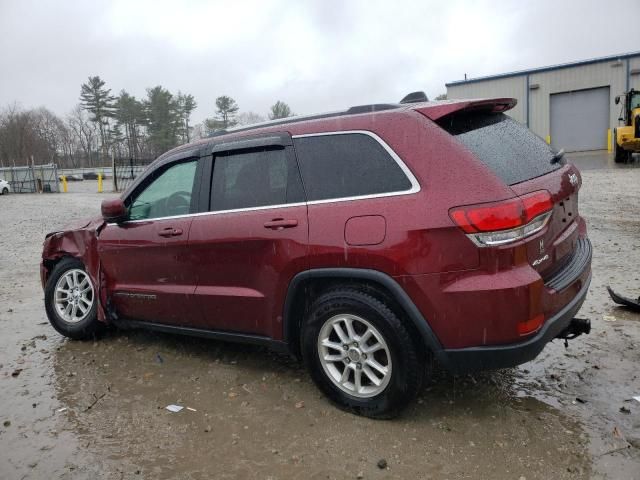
(315,55)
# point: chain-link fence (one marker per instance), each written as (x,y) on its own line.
(31,179)
(126,170)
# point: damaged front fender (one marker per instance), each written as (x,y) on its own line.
(78,241)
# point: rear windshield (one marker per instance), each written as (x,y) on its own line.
(507,147)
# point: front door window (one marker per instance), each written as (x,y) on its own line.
(168,195)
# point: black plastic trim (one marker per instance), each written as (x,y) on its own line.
(374,107)
(205,183)
(281,141)
(275,345)
(428,336)
(579,259)
(466,360)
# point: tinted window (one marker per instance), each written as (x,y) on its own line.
(507,147)
(255,179)
(167,195)
(347,165)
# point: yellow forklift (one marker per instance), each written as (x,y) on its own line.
(627,137)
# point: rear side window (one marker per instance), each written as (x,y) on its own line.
(507,147)
(347,165)
(256,178)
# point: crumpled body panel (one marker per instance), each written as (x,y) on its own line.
(79,241)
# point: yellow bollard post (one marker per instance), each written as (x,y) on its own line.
(100,182)
(64,183)
(548,139)
(609,145)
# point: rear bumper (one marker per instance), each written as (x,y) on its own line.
(463,360)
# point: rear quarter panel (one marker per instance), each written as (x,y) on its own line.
(420,237)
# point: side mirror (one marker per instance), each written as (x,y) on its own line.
(617,99)
(113,210)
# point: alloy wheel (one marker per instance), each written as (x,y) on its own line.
(74,296)
(354,355)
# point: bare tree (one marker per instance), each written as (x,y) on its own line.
(50,132)
(249,118)
(37,134)
(85,133)
(17,135)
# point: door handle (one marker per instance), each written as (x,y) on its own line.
(280,223)
(170,232)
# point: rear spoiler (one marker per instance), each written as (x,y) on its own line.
(438,110)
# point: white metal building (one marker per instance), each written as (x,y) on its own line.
(571,105)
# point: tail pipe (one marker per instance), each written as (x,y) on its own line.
(576,327)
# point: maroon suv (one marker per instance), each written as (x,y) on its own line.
(364,241)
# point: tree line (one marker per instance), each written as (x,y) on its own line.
(103,124)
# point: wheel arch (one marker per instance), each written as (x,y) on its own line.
(308,284)
(49,263)
(78,244)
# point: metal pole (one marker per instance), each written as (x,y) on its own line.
(55,175)
(33,175)
(114,173)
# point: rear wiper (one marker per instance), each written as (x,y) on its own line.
(557,156)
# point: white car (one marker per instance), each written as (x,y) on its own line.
(4,187)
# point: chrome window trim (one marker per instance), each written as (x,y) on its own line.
(415,185)
(200,214)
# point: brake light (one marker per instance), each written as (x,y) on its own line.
(536,203)
(507,221)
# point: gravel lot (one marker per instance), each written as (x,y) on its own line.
(83,409)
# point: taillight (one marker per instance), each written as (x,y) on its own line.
(536,203)
(529,326)
(507,221)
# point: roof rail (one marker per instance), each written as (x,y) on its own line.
(273,123)
(374,107)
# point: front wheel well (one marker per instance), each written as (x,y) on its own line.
(50,263)
(308,289)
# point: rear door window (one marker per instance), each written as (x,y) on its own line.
(255,178)
(347,165)
(507,147)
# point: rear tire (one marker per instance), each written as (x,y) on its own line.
(71,301)
(620,155)
(360,354)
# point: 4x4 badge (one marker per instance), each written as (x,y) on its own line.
(573,179)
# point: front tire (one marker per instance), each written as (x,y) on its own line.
(5,191)
(71,301)
(360,354)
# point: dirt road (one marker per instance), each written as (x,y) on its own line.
(80,409)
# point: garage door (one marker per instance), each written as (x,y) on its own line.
(580,119)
